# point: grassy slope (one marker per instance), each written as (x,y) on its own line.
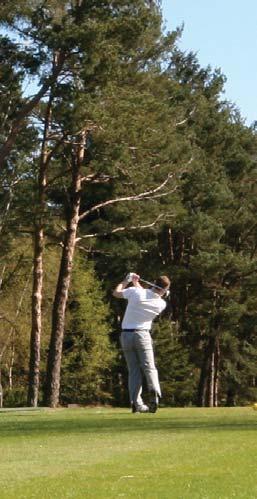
(110,453)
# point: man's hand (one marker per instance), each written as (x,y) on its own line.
(132,277)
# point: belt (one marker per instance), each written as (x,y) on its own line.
(133,330)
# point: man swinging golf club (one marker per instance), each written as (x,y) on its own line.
(144,305)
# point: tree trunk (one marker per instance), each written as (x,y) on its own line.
(202,386)
(36,304)
(208,383)
(211,380)
(10,371)
(210,374)
(35,339)
(216,374)
(52,388)
(1,390)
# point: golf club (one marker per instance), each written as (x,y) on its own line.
(152,284)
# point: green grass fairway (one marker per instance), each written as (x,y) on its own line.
(110,453)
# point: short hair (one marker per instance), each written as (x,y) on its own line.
(162,282)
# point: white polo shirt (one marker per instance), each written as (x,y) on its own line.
(143,306)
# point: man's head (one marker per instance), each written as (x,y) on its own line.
(162,284)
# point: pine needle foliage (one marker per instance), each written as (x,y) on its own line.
(87,355)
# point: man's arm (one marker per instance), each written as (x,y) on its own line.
(117,293)
(134,278)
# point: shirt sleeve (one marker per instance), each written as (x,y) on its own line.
(128,293)
(163,306)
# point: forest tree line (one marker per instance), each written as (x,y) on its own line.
(118,153)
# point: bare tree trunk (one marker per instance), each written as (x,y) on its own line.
(1,387)
(11,363)
(216,374)
(52,388)
(37,289)
(202,386)
(211,380)
(35,339)
(2,275)
(1,390)
(211,370)
(4,215)
(206,384)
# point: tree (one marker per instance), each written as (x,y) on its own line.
(176,372)
(14,319)
(73,38)
(87,355)
(130,155)
(81,202)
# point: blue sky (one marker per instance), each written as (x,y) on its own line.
(223,33)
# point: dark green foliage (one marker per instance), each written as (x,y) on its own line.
(88,355)
(178,376)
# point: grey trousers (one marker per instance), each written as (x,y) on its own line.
(138,351)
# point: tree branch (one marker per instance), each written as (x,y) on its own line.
(179,123)
(143,195)
(162,216)
(27,108)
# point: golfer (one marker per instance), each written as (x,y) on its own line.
(144,305)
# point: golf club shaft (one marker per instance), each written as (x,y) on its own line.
(150,284)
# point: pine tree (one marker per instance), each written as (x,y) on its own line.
(176,373)
(87,356)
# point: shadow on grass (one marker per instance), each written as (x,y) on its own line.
(113,423)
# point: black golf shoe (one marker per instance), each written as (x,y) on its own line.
(153,402)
